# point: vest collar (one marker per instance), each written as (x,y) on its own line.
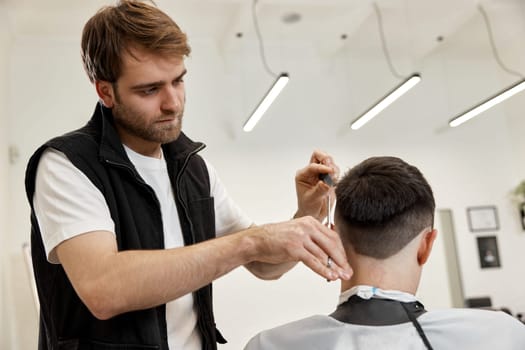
(111,147)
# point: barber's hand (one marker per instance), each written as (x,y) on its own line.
(304,239)
(311,192)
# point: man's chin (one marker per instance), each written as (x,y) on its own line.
(171,136)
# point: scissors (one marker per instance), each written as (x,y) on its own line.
(328,180)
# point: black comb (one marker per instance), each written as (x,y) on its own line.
(326,179)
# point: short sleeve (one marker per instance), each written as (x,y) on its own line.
(66,202)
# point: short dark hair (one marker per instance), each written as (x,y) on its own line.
(114,30)
(382,204)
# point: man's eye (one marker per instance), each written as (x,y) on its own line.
(149,91)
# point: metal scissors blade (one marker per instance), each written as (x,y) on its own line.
(328,180)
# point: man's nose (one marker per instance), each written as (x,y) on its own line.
(171,100)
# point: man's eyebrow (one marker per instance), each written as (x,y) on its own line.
(156,83)
(182,74)
(147,85)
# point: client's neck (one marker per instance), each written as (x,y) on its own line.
(390,274)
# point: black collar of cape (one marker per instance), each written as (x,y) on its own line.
(381,312)
(376,311)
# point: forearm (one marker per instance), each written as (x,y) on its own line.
(111,282)
(118,282)
(178,272)
(268,271)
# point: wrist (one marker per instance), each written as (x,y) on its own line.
(299,214)
(249,244)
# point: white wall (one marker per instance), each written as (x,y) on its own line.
(516,125)
(4,166)
(472,165)
(43,102)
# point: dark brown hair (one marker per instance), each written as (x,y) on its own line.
(114,30)
(382,204)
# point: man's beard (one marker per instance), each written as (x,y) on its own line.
(134,123)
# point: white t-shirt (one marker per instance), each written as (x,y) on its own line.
(67,204)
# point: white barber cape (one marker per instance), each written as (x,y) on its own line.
(445,329)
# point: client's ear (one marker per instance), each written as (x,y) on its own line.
(425,246)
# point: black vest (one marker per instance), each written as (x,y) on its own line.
(95,149)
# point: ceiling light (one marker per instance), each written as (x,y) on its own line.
(500,96)
(488,103)
(393,95)
(397,92)
(280,81)
(265,103)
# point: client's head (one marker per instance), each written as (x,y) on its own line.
(383,204)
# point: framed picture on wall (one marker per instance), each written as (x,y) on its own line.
(483,218)
(488,252)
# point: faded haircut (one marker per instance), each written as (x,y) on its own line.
(382,204)
(115,30)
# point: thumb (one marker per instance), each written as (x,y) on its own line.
(321,189)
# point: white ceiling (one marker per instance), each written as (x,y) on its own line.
(412,29)
(409,24)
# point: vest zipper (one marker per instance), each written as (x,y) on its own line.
(136,176)
(177,189)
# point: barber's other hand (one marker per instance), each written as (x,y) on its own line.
(311,191)
(304,239)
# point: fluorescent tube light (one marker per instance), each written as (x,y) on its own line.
(393,95)
(267,100)
(488,103)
